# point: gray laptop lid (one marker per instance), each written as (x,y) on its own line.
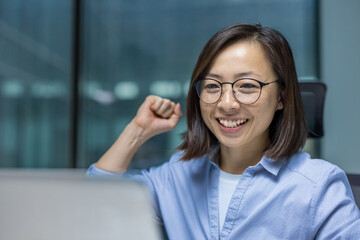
(66,205)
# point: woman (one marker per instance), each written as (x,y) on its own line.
(239,174)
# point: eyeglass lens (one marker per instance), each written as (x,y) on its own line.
(246,91)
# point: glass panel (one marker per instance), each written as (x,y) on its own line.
(35,40)
(135,48)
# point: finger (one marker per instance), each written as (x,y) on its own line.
(166,109)
(156,103)
(162,107)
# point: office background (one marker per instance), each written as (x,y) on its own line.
(73,72)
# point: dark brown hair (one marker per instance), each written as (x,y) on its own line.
(288,129)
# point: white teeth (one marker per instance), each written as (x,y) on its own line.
(231,123)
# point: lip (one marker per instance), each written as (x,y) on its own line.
(234,129)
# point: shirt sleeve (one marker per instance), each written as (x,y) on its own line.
(94,171)
(336,215)
(158,180)
(153,179)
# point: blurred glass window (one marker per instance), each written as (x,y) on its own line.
(131,49)
(128,50)
(35,79)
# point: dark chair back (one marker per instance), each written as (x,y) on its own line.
(354,180)
(313,96)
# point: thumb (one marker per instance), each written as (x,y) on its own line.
(177,110)
(175,118)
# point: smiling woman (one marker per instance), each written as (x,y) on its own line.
(248,51)
(240,172)
(252,136)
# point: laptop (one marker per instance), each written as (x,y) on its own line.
(67,205)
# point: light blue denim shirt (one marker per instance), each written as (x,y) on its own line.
(301,198)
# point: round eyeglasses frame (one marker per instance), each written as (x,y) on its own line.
(198,83)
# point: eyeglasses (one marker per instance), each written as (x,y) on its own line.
(245,90)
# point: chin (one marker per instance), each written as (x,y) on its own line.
(230,143)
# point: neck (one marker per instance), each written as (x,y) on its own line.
(237,160)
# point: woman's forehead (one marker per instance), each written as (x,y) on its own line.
(241,59)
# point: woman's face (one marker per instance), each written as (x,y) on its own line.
(234,124)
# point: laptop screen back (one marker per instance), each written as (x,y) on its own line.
(66,205)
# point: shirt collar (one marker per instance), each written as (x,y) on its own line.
(270,165)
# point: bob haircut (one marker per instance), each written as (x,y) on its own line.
(288,129)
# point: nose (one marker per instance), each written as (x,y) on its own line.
(227,100)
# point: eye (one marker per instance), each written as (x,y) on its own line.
(211,86)
(248,86)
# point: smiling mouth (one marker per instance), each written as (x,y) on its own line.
(232,123)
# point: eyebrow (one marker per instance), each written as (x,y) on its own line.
(239,75)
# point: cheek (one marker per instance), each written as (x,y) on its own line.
(265,110)
(206,114)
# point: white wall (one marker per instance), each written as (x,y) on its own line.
(340,70)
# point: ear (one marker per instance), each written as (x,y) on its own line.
(279,105)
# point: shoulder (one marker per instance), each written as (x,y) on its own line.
(177,166)
(332,207)
(193,165)
(176,158)
(314,170)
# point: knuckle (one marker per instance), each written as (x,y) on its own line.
(160,100)
(166,101)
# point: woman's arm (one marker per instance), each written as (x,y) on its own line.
(155,116)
